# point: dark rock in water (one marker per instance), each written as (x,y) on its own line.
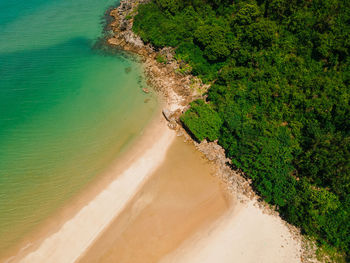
(127,70)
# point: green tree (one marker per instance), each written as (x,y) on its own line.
(202,121)
(279,102)
(170,5)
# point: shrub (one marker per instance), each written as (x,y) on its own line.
(202,121)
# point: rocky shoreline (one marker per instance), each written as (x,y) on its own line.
(176,91)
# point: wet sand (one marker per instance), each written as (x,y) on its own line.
(181,198)
(67,235)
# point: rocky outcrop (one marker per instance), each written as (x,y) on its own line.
(176,89)
(123,36)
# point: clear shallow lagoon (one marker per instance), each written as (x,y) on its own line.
(66,110)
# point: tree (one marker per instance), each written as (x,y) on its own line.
(212,40)
(279,103)
(170,5)
(202,121)
(247,14)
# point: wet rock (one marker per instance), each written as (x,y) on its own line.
(127,70)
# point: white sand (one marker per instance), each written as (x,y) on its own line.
(78,233)
(244,235)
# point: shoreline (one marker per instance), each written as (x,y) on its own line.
(174,89)
(75,222)
(184,88)
(181,198)
(33,246)
(77,235)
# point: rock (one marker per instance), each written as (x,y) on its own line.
(168,54)
(167,114)
(114,13)
(176,114)
(114,41)
(131,38)
(114,24)
(127,70)
(172,125)
(174,88)
(124,26)
(125,6)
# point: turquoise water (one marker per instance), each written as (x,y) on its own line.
(66,109)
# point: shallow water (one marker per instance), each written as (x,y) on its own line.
(66,109)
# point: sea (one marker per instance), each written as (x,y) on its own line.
(68,108)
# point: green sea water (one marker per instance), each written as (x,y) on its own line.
(67,110)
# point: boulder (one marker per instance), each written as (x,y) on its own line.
(167,114)
(172,125)
(124,26)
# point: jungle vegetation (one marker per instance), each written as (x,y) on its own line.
(279,99)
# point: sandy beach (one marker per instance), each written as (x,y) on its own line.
(244,234)
(162,203)
(125,178)
(180,199)
(185,214)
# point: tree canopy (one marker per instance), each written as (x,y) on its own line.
(279,104)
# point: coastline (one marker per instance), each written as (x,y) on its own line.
(184,88)
(65,239)
(177,90)
(180,199)
(141,161)
(42,246)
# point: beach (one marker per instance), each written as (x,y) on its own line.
(83,226)
(162,200)
(164,204)
(185,214)
(181,198)
(244,234)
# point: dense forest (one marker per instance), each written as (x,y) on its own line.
(279,98)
